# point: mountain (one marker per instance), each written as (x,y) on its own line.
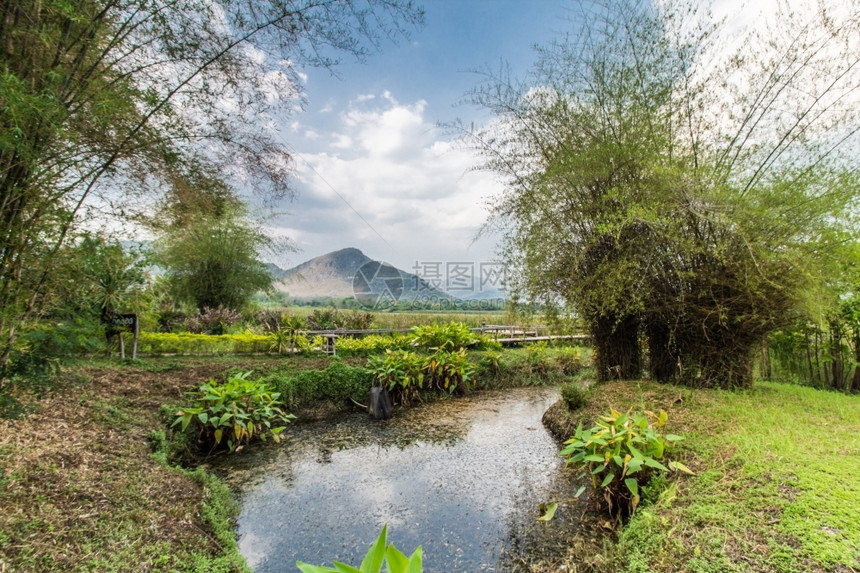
(349,273)
(330,275)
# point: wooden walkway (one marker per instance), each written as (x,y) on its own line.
(506,335)
(521,339)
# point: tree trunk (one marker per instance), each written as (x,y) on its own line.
(662,359)
(619,355)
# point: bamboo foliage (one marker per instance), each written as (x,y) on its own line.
(663,189)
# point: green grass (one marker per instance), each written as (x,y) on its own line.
(408,319)
(777,486)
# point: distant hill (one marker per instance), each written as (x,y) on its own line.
(334,276)
(328,275)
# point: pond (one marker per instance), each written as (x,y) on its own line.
(462,477)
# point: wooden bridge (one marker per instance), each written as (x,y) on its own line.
(514,335)
(506,335)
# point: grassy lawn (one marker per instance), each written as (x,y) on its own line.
(776,488)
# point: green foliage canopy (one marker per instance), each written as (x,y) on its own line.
(214,261)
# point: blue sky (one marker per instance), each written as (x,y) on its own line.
(371,136)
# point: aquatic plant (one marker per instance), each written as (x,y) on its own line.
(234,412)
(621,452)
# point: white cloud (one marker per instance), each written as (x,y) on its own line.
(411,185)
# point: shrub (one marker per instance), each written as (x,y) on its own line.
(372,344)
(356,320)
(400,371)
(268,320)
(448,371)
(537,359)
(213,320)
(451,336)
(337,382)
(573,396)
(168,343)
(406,373)
(234,412)
(490,364)
(324,319)
(620,453)
(569,360)
(379,554)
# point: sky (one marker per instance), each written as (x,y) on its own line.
(373,168)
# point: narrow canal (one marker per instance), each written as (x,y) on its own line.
(462,477)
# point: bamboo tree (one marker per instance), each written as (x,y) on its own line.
(658,193)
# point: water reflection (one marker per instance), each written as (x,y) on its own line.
(461,477)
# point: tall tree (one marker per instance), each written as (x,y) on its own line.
(660,193)
(103,99)
(212,260)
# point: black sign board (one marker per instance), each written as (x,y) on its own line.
(124,323)
(116,324)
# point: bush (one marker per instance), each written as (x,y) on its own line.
(356,320)
(213,320)
(372,344)
(234,412)
(451,336)
(569,360)
(168,343)
(621,452)
(406,374)
(573,396)
(448,371)
(490,364)
(338,382)
(400,371)
(537,360)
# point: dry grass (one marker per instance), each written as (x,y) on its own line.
(80,490)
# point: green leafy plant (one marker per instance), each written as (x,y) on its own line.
(569,360)
(448,371)
(378,555)
(401,371)
(284,337)
(235,412)
(338,382)
(372,344)
(573,396)
(406,373)
(621,452)
(450,336)
(537,359)
(491,363)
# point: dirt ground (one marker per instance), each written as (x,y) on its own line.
(79,489)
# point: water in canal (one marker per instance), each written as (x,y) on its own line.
(461,477)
